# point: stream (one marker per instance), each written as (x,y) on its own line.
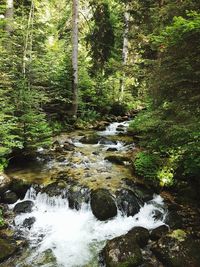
(65,237)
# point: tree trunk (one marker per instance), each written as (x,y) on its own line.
(124,50)
(9,16)
(75,58)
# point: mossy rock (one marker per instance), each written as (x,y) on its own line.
(122,251)
(178,249)
(7,249)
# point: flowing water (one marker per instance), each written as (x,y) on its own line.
(64,237)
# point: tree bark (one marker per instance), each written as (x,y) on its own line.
(9,16)
(74,107)
(124,50)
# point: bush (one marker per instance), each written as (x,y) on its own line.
(146,165)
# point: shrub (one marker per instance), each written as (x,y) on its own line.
(146,165)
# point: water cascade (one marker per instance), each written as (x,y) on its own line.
(63,237)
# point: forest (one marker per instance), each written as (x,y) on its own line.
(99,107)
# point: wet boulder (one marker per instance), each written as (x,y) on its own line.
(24,206)
(112,149)
(90,139)
(178,249)
(117,159)
(103,205)
(158,232)
(7,249)
(127,202)
(4,183)
(125,250)
(10,197)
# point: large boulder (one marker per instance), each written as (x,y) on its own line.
(127,202)
(178,249)
(90,139)
(4,183)
(7,249)
(103,205)
(124,251)
(24,206)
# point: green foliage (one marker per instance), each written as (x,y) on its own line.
(146,165)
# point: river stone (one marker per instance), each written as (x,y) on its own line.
(111,149)
(177,249)
(127,202)
(24,206)
(90,139)
(117,159)
(10,197)
(122,251)
(7,249)
(158,232)
(4,182)
(28,222)
(103,205)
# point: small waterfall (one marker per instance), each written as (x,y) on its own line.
(73,237)
(112,129)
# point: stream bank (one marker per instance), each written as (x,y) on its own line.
(57,216)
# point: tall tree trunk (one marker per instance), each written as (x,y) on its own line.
(124,50)
(9,16)
(28,39)
(75,58)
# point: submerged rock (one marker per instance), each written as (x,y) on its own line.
(24,206)
(127,202)
(177,249)
(103,205)
(124,251)
(7,249)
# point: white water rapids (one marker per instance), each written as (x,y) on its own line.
(64,237)
(76,237)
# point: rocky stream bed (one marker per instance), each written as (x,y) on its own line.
(80,204)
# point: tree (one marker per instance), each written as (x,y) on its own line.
(75,9)
(9,16)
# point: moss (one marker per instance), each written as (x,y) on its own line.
(179,234)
